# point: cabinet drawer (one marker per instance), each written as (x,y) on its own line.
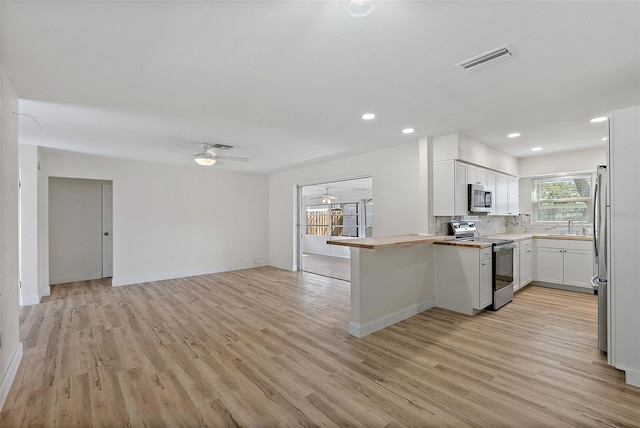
(486,253)
(564,244)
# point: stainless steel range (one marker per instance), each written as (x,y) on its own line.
(502,260)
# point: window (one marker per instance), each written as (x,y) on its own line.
(344,220)
(317,220)
(368,217)
(561,198)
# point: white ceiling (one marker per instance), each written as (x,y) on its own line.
(287,81)
(345,186)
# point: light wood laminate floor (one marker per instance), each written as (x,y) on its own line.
(267,347)
(333,267)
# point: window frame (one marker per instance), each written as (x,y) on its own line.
(535,213)
(330,226)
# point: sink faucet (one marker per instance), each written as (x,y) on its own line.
(570,222)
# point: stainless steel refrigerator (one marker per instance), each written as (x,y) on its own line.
(600,233)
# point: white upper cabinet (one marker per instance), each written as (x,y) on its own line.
(491,184)
(525,196)
(450,188)
(513,195)
(476,175)
(501,194)
(506,195)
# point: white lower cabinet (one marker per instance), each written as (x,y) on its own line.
(486,278)
(565,262)
(526,262)
(464,278)
(522,264)
(516,267)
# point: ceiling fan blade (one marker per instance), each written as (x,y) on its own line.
(180,151)
(231,158)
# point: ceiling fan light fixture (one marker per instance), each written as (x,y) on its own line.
(360,8)
(205,160)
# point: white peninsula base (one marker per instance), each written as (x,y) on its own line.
(392,279)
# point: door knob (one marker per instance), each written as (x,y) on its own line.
(106,234)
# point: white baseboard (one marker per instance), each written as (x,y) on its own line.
(29,300)
(118,281)
(283,266)
(632,377)
(10,374)
(361,330)
(74,278)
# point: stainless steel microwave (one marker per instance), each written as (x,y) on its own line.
(480,198)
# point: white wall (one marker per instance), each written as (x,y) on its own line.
(461,147)
(168,221)
(11,350)
(575,161)
(624,270)
(28,161)
(400,192)
(481,154)
(75,229)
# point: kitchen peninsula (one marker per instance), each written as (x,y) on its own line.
(392,279)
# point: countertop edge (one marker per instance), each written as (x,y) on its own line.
(389,241)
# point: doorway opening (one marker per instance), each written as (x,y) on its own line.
(332,210)
(80,229)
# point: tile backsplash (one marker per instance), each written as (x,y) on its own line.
(522,224)
(492,225)
(486,225)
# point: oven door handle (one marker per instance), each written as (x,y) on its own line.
(504,247)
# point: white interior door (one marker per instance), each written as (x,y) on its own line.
(107,230)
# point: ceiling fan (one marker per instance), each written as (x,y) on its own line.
(207,156)
(326,198)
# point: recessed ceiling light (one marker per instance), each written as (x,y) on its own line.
(368,116)
(536,149)
(599,119)
(514,135)
(604,138)
(408,131)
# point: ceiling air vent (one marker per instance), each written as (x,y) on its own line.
(487,58)
(221,147)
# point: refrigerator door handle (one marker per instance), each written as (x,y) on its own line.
(595,220)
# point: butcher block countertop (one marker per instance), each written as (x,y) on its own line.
(564,237)
(522,236)
(413,239)
(455,243)
(389,241)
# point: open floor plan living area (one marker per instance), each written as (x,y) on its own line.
(335,213)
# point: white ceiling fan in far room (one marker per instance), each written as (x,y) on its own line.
(326,198)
